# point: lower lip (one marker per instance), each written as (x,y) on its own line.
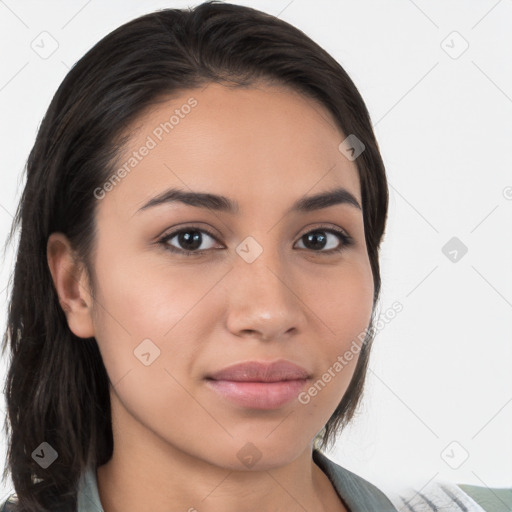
(258,395)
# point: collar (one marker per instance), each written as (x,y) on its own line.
(358,494)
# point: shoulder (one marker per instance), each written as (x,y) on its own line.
(489,498)
(359,494)
(449,496)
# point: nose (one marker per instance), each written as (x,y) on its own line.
(263,299)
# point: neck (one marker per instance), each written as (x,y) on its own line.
(147,473)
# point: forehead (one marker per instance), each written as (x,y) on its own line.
(263,143)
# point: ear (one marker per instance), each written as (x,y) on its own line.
(72,286)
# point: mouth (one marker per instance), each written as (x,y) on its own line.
(259,385)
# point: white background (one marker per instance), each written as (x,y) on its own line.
(441,370)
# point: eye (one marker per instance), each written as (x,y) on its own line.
(189,239)
(317,240)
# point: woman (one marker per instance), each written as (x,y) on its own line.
(200,230)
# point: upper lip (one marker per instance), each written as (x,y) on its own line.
(255,371)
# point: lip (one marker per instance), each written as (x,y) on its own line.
(259,385)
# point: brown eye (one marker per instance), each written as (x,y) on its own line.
(318,240)
(188,240)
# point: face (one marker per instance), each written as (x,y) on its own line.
(185,290)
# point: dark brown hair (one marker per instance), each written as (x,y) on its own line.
(57,389)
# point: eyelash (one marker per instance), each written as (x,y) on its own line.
(346,240)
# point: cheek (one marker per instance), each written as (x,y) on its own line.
(342,300)
(343,305)
(144,332)
(135,303)
(153,394)
(152,307)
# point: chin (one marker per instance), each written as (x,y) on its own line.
(258,453)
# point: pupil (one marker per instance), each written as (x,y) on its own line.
(185,239)
(314,237)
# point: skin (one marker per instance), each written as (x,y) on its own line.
(175,440)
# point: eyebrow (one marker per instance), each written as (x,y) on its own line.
(224,204)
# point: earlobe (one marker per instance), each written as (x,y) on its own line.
(70,281)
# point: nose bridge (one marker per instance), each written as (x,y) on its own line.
(258,263)
(261,296)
